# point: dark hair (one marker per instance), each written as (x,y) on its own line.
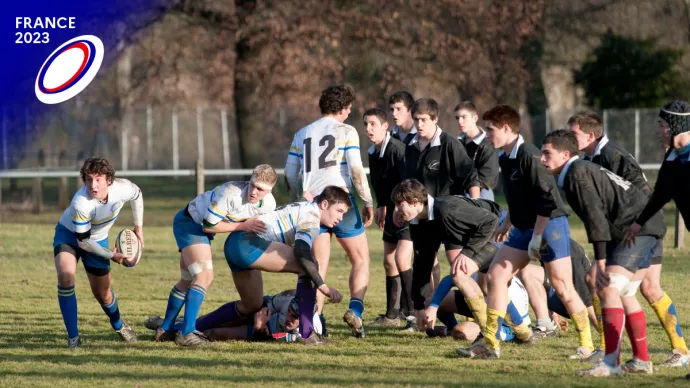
(378,112)
(336,98)
(97,166)
(589,122)
(426,106)
(563,140)
(466,105)
(334,195)
(402,96)
(409,190)
(677,106)
(503,115)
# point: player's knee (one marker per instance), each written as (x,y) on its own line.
(103,296)
(651,290)
(617,284)
(66,279)
(202,273)
(630,289)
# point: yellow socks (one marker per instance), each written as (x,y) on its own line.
(478,307)
(666,311)
(596,303)
(494,319)
(581,323)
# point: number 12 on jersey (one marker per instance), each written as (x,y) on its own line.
(329,142)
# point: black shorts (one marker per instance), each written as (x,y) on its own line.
(391,233)
(484,257)
(658,252)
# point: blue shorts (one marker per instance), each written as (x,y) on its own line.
(187,232)
(243,249)
(66,241)
(638,256)
(350,226)
(556,235)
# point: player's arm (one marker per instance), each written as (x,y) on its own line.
(357,174)
(220,215)
(662,194)
(81,219)
(488,168)
(585,200)
(292,168)
(441,291)
(462,169)
(137,203)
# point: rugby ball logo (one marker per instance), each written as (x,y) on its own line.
(69,69)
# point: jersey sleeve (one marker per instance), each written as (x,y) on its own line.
(130,191)
(354,162)
(543,185)
(585,200)
(308,225)
(293,165)
(81,214)
(351,148)
(219,207)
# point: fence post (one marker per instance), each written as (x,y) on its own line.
(637,134)
(37,196)
(680,231)
(547,122)
(63,193)
(5,157)
(149,137)
(199,173)
(175,144)
(200,132)
(606,121)
(226,141)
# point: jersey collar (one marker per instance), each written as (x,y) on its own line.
(435,141)
(516,147)
(372,149)
(673,155)
(477,139)
(396,131)
(430,214)
(564,171)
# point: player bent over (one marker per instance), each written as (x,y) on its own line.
(285,246)
(82,233)
(607,204)
(230,207)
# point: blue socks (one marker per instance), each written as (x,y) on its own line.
(113,312)
(357,306)
(68,307)
(195,297)
(175,303)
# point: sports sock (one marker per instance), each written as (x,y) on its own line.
(306,300)
(392,296)
(448,319)
(406,305)
(357,306)
(113,312)
(494,320)
(193,301)
(614,320)
(581,323)
(668,317)
(175,302)
(546,323)
(223,314)
(67,299)
(596,303)
(515,320)
(478,306)
(636,326)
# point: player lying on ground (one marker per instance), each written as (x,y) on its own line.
(597,148)
(285,246)
(82,233)
(326,152)
(607,204)
(230,207)
(535,213)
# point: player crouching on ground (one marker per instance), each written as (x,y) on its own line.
(286,246)
(220,210)
(607,204)
(82,232)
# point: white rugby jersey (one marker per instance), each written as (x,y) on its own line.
(518,295)
(296,221)
(326,151)
(230,202)
(86,213)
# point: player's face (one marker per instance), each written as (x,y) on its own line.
(497,136)
(584,139)
(256,193)
(332,215)
(663,133)
(291,321)
(426,126)
(401,114)
(98,186)
(466,120)
(553,159)
(376,131)
(407,211)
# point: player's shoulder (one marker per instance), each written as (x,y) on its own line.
(121,185)
(396,145)
(268,204)
(232,188)
(82,200)
(583,170)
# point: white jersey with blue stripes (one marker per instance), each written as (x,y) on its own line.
(229,202)
(296,221)
(86,213)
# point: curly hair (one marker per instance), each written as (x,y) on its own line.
(336,98)
(97,166)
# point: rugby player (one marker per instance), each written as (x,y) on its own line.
(400,104)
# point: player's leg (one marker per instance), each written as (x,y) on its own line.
(534,279)
(322,253)
(198,260)
(393,287)
(176,298)
(456,303)
(636,326)
(66,266)
(403,260)
(470,289)
(100,281)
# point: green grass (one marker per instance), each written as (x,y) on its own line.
(33,339)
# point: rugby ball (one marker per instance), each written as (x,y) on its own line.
(128,243)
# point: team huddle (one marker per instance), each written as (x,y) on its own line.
(431,188)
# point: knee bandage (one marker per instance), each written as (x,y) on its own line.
(631,288)
(196,268)
(618,281)
(185,275)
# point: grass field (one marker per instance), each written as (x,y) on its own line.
(33,339)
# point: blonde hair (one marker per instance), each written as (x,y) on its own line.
(264,173)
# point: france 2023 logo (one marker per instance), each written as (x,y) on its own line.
(69,69)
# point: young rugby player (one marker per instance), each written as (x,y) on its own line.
(607,204)
(597,148)
(400,104)
(478,147)
(326,152)
(386,166)
(230,207)
(535,213)
(82,233)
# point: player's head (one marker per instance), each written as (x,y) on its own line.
(588,128)
(97,174)
(557,148)
(675,116)
(376,124)
(425,115)
(336,101)
(466,115)
(502,124)
(400,104)
(410,197)
(263,179)
(333,202)
(292,316)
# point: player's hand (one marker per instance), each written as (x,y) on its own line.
(309,197)
(261,319)
(253,225)
(602,277)
(367,216)
(460,264)
(380,216)
(119,257)
(139,232)
(630,234)
(534,247)
(502,232)
(333,295)
(562,323)
(429,317)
